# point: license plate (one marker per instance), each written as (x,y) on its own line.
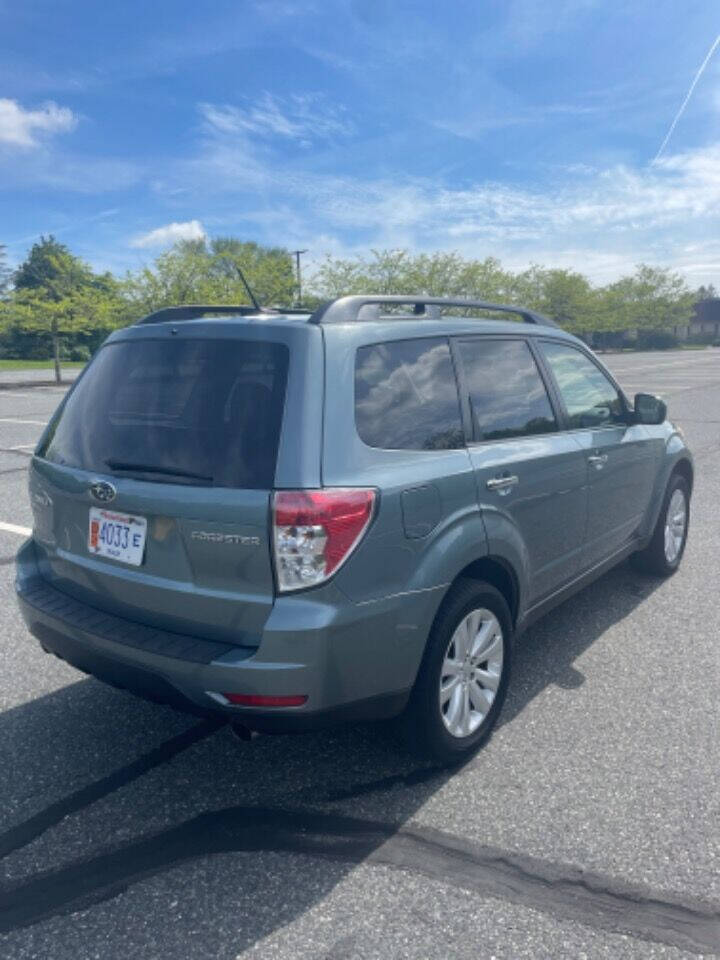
(119,536)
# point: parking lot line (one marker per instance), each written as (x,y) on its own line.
(14,528)
(39,423)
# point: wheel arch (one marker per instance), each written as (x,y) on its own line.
(684,468)
(499,573)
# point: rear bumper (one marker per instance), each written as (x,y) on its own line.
(352,661)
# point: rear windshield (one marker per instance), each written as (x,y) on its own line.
(204,412)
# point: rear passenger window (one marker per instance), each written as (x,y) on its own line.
(406,396)
(507,395)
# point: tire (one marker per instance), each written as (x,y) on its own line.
(431,712)
(657,558)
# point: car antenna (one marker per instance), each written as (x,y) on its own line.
(253,298)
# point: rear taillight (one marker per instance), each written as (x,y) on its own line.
(315,531)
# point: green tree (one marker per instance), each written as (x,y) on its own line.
(268,270)
(399,272)
(58,294)
(337,277)
(51,269)
(194,271)
(653,298)
(563,295)
(449,274)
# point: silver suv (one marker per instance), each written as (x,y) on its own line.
(294,519)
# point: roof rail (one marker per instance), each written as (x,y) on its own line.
(348,309)
(192,311)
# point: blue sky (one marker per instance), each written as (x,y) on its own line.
(521,129)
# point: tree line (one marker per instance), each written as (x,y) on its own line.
(55,305)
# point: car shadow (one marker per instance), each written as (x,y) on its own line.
(104,793)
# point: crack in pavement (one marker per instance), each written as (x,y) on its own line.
(564,891)
(27,831)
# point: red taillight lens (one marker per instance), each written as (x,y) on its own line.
(258,700)
(315,531)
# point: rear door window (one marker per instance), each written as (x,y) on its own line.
(506,392)
(205,412)
(406,396)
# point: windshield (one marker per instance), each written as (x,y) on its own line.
(204,412)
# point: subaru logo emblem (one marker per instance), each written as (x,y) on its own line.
(103,491)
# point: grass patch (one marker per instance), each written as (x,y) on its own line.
(38,364)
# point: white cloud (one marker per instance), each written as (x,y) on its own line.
(301,117)
(599,219)
(169,234)
(22,128)
(615,198)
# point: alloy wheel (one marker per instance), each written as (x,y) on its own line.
(471,672)
(675,524)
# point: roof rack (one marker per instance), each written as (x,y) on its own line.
(348,309)
(194,310)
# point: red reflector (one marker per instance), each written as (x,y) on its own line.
(256,700)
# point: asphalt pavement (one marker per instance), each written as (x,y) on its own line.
(589,826)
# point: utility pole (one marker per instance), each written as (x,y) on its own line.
(298,254)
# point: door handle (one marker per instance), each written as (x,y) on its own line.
(598,460)
(501,483)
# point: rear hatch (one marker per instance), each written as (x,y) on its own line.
(151,487)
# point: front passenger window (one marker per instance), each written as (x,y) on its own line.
(590,398)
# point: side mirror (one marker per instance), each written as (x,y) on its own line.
(649,409)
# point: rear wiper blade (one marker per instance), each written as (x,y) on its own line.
(150,468)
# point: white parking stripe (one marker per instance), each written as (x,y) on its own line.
(39,423)
(13,528)
(14,394)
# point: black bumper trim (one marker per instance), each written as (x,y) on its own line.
(48,600)
(125,676)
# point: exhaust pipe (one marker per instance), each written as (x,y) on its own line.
(244,733)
